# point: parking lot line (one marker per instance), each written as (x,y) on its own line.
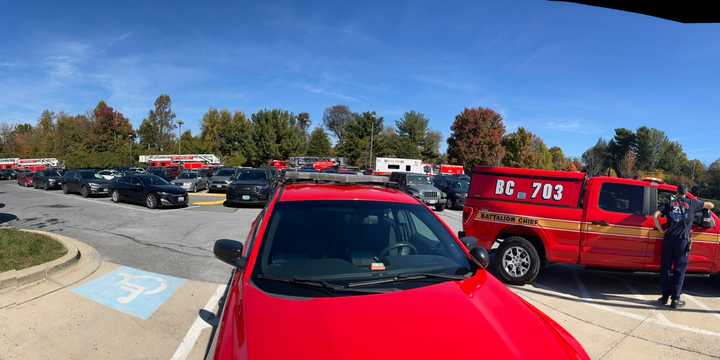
(209,203)
(188,342)
(208,195)
(702,305)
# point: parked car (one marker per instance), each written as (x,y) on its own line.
(251,186)
(538,217)
(191,181)
(108,174)
(332,267)
(455,187)
(47,179)
(167,173)
(421,187)
(150,190)
(25,178)
(221,178)
(6,174)
(85,183)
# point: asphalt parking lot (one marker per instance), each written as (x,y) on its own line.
(613,315)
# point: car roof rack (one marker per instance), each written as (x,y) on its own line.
(292,177)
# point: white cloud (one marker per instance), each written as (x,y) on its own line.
(571,126)
(325,92)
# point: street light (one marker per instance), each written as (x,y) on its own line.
(180,124)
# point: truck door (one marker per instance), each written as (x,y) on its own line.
(617,226)
(704,241)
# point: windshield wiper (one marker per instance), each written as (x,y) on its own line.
(324,285)
(407,277)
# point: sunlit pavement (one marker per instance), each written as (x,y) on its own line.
(117,313)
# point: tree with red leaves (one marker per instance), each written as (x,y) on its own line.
(476,138)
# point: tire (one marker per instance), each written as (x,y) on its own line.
(517,261)
(451,204)
(115,196)
(65,189)
(84,191)
(439,207)
(151,201)
(194,189)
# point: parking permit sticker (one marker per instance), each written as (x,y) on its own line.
(377,266)
(131,291)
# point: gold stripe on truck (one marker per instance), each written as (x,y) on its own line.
(570,225)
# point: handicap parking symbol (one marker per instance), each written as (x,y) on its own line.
(131,291)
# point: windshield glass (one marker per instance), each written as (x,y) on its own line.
(225,172)
(343,241)
(187,176)
(89,175)
(153,180)
(156,171)
(249,175)
(461,186)
(419,180)
(52,173)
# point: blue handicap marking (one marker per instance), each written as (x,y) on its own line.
(131,291)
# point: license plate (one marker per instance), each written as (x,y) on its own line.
(186,185)
(181,198)
(246,197)
(218,186)
(432,201)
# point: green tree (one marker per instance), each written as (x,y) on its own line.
(319,144)
(336,118)
(359,133)
(416,140)
(595,159)
(524,149)
(276,135)
(558,159)
(649,145)
(156,130)
(621,144)
(476,138)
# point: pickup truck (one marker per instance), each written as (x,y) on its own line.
(531,218)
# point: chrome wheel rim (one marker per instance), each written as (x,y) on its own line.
(516,261)
(150,201)
(115,196)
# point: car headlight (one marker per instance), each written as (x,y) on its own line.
(162,193)
(228,181)
(262,187)
(443,195)
(94,185)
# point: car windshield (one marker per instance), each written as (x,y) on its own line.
(461,186)
(156,171)
(345,241)
(153,180)
(249,175)
(187,176)
(419,180)
(52,173)
(225,172)
(89,175)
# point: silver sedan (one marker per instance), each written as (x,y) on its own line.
(191,181)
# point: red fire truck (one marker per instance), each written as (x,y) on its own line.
(187,162)
(34,165)
(452,169)
(7,164)
(279,165)
(536,217)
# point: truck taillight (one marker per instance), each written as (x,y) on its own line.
(467,214)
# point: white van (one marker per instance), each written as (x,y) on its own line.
(386,166)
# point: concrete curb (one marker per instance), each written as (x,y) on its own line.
(18,286)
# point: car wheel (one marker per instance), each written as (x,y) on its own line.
(439,207)
(65,189)
(151,201)
(84,191)
(115,196)
(451,204)
(518,261)
(194,189)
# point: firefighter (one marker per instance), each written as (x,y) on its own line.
(680,214)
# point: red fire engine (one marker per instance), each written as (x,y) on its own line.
(6,164)
(35,165)
(188,161)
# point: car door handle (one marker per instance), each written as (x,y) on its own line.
(600,222)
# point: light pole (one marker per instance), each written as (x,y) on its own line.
(180,124)
(372,133)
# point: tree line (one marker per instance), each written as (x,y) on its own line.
(103,138)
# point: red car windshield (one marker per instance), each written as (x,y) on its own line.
(345,241)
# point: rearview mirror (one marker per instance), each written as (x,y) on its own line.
(229,252)
(469,241)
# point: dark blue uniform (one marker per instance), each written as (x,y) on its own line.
(680,214)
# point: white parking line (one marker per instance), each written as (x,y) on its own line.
(188,342)
(702,305)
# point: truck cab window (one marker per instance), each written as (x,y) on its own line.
(621,198)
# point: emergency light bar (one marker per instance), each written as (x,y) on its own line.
(297,176)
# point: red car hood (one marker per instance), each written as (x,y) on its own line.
(474,319)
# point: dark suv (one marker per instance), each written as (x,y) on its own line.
(251,186)
(85,183)
(456,187)
(47,179)
(421,187)
(221,178)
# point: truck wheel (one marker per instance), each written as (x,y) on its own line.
(517,261)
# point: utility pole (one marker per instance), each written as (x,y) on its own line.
(372,133)
(180,124)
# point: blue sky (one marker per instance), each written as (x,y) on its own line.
(569,73)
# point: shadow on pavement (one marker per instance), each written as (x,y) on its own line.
(621,290)
(5,217)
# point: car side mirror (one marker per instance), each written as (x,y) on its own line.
(469,241)
(480,256)
(229,252)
